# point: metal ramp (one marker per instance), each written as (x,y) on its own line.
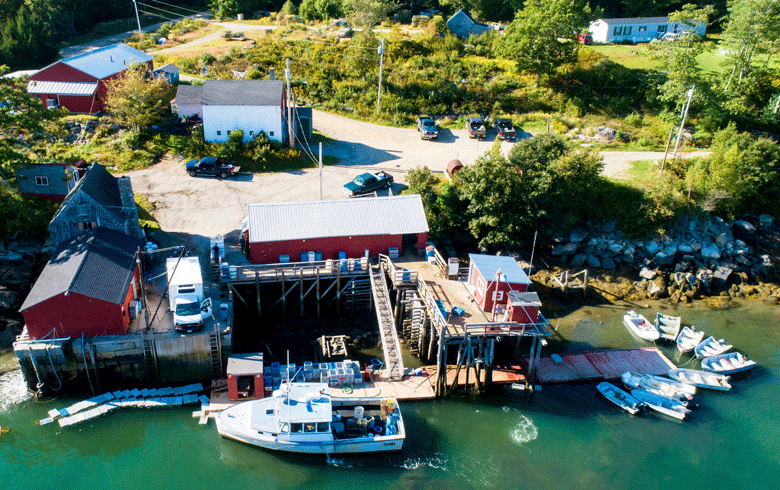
(384,315)
(150,359)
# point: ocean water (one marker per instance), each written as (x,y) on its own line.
(564,436)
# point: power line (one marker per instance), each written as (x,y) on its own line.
(178,15)
(178,7)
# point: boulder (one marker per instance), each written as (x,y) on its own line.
(710,251)
(29,248)
(577,235)
(696,247)
(616,248)
(661,258)
(721,239)
(593,261)
(578,260)
(684,248)
(566,249)
(605,133)
(765,221)
(722,273)
(651,246)
(9,300)
(648,274)
(743,228)
(608,263)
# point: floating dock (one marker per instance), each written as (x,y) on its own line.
(602,365)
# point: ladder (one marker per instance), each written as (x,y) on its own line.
(384,314)
(150,360)
(216,354)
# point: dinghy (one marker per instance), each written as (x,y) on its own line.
(688,339)
(638,325)
(658,385)
(619,397)
(730,363)
(661,404)
(668,326)
(710,347)
(702,379)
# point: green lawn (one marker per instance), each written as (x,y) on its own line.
(638,56)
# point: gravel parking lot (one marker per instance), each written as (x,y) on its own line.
(208,206)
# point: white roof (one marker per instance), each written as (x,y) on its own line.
(186,272)
(61,88)
(489,265)
(396,215)
(109,60)
(19,73)
(307,402)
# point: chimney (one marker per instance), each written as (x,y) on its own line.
(132,227)
(272,73)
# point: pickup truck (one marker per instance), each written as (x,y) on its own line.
(504,129)
(476,127)
(368,182)
(427,128)
(211,166)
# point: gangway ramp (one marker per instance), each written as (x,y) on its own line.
(384,314)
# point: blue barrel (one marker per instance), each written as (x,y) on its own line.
(342,255)
(284,259)
(343,265)
(318,255)
(304,256)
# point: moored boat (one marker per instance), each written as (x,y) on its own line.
(658,385)
(661,404)
(619,397)
(668,326)
(730,363)
(710,347)
(702,379)
(638,324)
(688,339)
(303,418)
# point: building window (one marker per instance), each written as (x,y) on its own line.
(219,133)
(642,29)
(251,133)
(41,180)
(627,31)
(617,31)
(87,225)
(271,134)
(662,28)
(481,285)
(228,133)
(676,27)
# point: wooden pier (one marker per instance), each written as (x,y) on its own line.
(601,365)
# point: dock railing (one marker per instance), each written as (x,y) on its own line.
(510,329)
(276,272)
(400,278)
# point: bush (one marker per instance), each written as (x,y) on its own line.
(207,59)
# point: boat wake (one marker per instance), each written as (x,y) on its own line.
(13,390)
(407,462)
(524,431)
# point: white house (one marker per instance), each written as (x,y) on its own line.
(639,29)
(249,105)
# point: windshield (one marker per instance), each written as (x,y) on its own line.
(187,309)
(504,125)
(428,124)
(476,124)
(360,179)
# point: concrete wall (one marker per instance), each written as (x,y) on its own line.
(251,119)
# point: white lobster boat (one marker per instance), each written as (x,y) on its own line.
(638,325)
(303,418)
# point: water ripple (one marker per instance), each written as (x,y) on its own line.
(13,390)
(524,431)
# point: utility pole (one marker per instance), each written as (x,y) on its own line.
(320,170)
(682,124)
(137,19)
(381,52)
(289,106)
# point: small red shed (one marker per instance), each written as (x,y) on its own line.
(522,307)
(78,83)
(86,288)
(245,376)
(491,277)
(352,226)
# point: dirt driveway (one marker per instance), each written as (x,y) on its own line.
(209,206)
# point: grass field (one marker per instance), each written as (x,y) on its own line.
(638,56)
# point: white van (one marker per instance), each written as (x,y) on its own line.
(185,294)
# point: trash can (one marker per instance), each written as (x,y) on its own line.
(223,312)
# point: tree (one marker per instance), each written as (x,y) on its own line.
(365,14)
(224,9)
(137,99)
(753,29)
(30,39)
(678,56)
(544,35)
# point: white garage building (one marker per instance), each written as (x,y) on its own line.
(249,105)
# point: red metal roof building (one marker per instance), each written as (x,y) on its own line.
(352,226)
(78,83)
(86,288)
(491,277)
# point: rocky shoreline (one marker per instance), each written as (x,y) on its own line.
(703,257)
(21,260)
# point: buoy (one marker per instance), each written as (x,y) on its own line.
(4,430)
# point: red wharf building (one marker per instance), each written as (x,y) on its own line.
(491,277)
(78,83)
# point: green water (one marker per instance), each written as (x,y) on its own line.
(563,437)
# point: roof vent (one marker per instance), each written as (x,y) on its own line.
(112,58)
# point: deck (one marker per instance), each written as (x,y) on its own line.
(601,365)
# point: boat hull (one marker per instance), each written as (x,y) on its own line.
(619,398)
(714,364)
(701,379)
(688,339)
(639,326)
(710,347)
(668,326)
(663,405)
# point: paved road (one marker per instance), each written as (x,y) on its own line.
(207,206)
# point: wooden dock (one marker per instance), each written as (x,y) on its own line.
(602,365)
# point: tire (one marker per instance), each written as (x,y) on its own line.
(223,175)
(193,173)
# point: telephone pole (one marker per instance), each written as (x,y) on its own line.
(289,106)
(682,124)
(381,52)
(137,19)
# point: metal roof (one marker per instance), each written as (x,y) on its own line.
(98,264)
(396,215)
(243,92)
(242,364)
(189,95)
(61,88)
(169,68)
(528,298)
(488,265)
(635,20)
(106,61)
(100,186)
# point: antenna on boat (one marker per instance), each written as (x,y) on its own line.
(289,385)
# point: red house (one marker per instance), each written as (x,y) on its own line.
(245,376)
(522,307)
(78,83)
(491,277)
(285,230)
(86,288)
